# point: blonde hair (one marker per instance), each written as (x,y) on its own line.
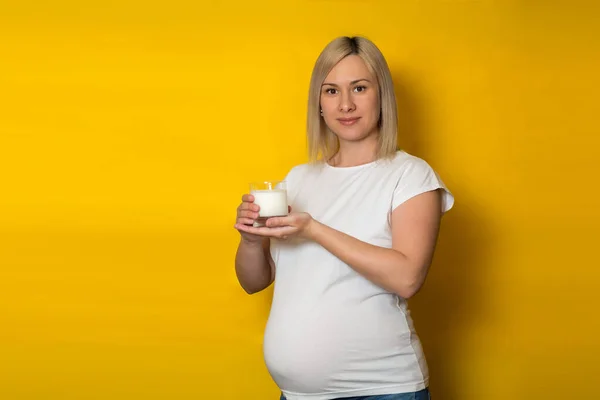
(322,142)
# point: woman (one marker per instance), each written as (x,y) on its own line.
(357,243)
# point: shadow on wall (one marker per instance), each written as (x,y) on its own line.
(452,299)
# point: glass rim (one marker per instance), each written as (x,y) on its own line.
(267,181)
(268,185)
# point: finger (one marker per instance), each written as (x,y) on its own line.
(251,229)
(248,198)
(281,232)
(279,222)
(245,221)
(247,214)
(249,206)
(266,232)
(289,209)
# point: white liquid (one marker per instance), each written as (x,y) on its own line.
(272,203)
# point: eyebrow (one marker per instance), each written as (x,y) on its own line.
(352,83)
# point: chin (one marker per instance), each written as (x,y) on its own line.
(353,134)
(352,138)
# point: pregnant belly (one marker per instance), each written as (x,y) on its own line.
(334,351)
(301,356)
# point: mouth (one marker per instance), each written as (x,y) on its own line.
(348,121)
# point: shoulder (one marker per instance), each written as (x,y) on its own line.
(297,175)
(413,176)
(403,163)
(408,160)
(300,170)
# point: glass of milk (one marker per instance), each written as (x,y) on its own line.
(271,197)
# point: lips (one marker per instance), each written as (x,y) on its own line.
(348,121)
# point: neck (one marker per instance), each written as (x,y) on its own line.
(351,154)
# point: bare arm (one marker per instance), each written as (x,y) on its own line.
(254,265)
(403,268)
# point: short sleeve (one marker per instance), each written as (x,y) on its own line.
(291,182)
(418,177)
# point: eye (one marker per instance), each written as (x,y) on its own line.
(360,89)
(331,91)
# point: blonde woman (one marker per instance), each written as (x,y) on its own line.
(357,243)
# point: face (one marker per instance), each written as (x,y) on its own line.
(350,100)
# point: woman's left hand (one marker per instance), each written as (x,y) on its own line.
(292,225)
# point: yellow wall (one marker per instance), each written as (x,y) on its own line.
(128,133)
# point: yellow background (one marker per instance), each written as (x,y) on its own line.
(129,131)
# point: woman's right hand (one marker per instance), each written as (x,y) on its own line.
(247,214)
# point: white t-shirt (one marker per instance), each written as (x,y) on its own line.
(331,332)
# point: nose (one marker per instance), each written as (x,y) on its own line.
(346,103)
